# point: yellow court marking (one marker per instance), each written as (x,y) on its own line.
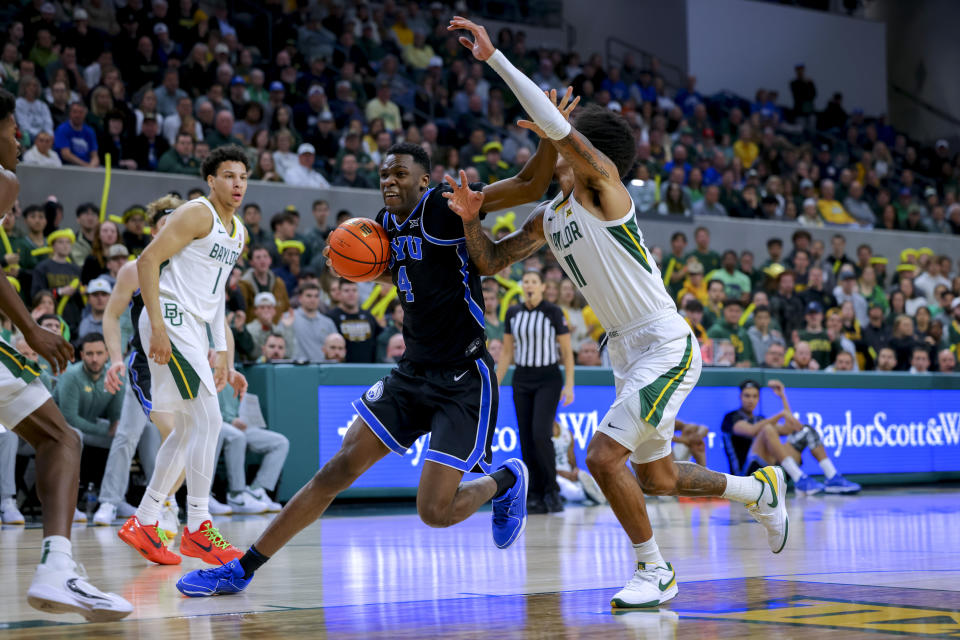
(851,615)
(669,384)
(182,375)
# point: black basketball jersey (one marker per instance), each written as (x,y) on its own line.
(437,284)
(136,308)
(741,444)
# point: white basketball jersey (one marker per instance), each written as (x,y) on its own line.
(608,263)
(196,275)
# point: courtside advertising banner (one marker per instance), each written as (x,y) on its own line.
(864,430)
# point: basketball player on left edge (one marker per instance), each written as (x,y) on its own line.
(442,386)
(182,275)
(59,584)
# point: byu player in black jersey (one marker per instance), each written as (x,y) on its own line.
(444,385)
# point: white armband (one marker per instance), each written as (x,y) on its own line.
(543,112)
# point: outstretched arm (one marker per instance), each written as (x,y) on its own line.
(528,185)
(489,256)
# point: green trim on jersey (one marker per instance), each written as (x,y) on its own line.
(656,395)
(627,235)
(186,377)
(20,366)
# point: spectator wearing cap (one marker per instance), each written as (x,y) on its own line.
(134,234)
(694,283)
(303,174)
(75,140)
(382,107)
(222,133)
(491,167)
(237,93)
(116,256)
(57,274)
(728,329)
(149,146)
(98,292)
(291,253)
(810,214)
(180,158)
(876,333)
(306,116)
(821,345)
(847,290)
(265,309)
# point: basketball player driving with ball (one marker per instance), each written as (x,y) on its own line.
(444,385)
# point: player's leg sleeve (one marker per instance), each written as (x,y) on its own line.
(204,412)
(172,454)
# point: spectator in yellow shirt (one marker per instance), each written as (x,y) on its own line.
(695,283)
(383,107)
(829,207)
(745,148)
(418,54)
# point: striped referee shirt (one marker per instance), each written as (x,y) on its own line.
(535,333)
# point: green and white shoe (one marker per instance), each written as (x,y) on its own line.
(770,509)
(650,586)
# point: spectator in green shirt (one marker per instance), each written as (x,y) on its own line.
(709,259)
(179,158)
(821,346)
(82,397)
(729,329)
(736,284)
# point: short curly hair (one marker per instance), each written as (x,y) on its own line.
(227,153)
(161,206)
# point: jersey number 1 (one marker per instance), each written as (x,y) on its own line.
(217,281)
(575,271)
(404,284)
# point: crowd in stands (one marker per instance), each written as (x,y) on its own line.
(157,85)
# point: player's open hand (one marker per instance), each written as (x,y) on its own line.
(115,373)
(160,350)
(463,201)
(238,382)
(565,106)
(481,46)
(51,347)
(220,371)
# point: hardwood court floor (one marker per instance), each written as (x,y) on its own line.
(885,562)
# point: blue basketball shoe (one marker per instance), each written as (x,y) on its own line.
(217,581)
(807,486)
(839,484)
(510,509)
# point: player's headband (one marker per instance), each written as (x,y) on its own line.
(749,384)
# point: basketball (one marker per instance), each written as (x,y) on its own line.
(359,249)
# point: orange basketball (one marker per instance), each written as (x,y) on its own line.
(359,249)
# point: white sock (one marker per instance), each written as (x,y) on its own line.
(57,552)
(828,469)
(742,489)
(649,553)
(198,511)
(792,468)
(148,513)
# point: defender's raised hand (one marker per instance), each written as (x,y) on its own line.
(481,46)
(464,201)
(565,107)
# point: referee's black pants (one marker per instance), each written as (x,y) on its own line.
(536,395)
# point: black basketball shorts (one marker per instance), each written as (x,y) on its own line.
(457,406)
(138,370)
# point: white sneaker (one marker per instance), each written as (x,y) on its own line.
(770,509)
(591,488)
(9,514)
(244,502)
(170,518)
(125,510)
(67,591)
(105,515)
(79,516)
(649,587)
(217,508)
(260,494)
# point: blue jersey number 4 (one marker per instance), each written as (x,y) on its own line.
(404,284)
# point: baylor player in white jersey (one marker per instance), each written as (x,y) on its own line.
(182,275)
(592,230)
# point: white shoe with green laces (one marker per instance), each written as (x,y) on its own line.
(650,586)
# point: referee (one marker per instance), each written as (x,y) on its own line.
(531,333)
